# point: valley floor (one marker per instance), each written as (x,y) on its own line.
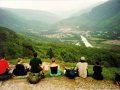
(60,83)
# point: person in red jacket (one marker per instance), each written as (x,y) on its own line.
(4,69)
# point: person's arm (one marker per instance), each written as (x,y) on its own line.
(30,63)
(7,65)
(40,62)
(100,69)
(58,67)
(93,68)
(87,66)
(22,66)
(76,67)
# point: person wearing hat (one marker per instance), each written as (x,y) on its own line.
(82,67)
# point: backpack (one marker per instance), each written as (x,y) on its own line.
(34,78)
(71,73)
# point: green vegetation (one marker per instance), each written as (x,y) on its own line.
(72,53)
(50,53)
(104,43)
(13,45)
(102,23)
(67,55)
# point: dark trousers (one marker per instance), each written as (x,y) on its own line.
(5,76)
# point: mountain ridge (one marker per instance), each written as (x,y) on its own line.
(23,20)
(102,18)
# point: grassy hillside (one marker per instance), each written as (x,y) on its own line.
(14,45)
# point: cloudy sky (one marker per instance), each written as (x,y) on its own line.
(50,5)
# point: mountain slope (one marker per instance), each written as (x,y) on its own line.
(7,19)
(26,20)
(36,15)
(14,45)
(102,19)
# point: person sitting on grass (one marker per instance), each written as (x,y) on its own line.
(35,64)
(4,69)
(19,68)
(82,67)
(97,71)
(36,71)
(54,68)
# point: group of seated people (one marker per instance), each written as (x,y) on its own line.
(36,67)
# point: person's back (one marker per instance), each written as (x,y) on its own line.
(19,68)
(35,64)
(54,68)
(97,71)
(82,68)
(35,74)
(3,66)
(53,65)
(4,69)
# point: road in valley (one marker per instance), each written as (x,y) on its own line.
(85,41)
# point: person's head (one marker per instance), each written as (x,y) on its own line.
(97,62)
(82,59)
(2,56)
(35,54)
(53,60)
(19,60)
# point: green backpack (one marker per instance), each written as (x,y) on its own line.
(34,78)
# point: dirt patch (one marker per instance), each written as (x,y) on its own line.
(60,83)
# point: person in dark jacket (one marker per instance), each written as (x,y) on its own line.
(97,71)
(19,68)
(35,64)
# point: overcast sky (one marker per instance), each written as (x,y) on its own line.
(50,5)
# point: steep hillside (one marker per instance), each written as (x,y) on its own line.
(103,20)
(14,45)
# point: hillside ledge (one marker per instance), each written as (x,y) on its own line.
(60,83)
